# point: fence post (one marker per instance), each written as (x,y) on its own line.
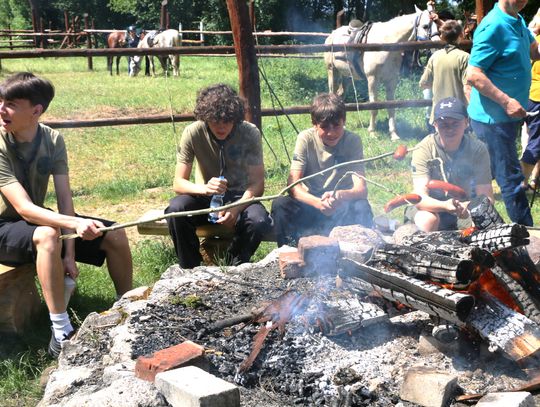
(66,23)
(43,40)
(180,33)
(88,41)
(201,29)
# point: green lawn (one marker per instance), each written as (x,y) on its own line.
(120,172)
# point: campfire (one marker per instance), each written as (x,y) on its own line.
(336,321)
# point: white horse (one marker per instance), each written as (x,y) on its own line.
(165,39)
(379,67)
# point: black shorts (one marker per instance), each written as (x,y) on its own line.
(17,245)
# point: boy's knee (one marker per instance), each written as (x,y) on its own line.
(177,204)
(46,238)
(115,239)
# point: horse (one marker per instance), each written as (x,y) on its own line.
(469,25)
(165,39)
(116,39)
(380,66)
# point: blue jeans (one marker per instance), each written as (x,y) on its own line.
(500,139)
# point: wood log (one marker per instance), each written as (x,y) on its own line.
(498,237)
(424,265)
(513,333)
(409,291)
(447,243)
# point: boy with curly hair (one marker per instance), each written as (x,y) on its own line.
(30,153)
(228,153)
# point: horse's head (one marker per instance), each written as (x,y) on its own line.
(424,28)
(470,25)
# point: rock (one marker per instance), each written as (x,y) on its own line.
(507,399)
(428,387)
(191,386)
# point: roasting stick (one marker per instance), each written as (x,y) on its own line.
(245,201)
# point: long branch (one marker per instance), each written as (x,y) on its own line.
(232,204)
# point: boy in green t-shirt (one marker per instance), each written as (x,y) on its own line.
(30,153)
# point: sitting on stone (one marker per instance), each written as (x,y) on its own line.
(30,153)
(453,156)
(315,205)
(229,157)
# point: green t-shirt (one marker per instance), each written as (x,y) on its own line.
(241,149)
(46,159)
(446,73)
(311,156)
(466,167)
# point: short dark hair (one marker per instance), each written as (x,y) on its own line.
(26,85)
(219,103)
(450,31)
(327,108)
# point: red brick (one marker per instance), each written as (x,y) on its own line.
(185,354)
(320,254)
(291,264)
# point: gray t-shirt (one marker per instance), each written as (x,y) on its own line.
(30,164)
(241,149)
(311,156)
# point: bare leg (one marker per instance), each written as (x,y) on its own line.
(426,221)
(49,268)
(119,263)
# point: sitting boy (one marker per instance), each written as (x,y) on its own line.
(453,156)
(314,206)
(29,154)
(229,158)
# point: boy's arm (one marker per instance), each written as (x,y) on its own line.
(182,184)
(300,192)
(32,213)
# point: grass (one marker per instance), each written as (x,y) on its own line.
(120,172)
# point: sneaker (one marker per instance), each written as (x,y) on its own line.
(55,347)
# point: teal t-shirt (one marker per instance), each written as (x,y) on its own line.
(501,48)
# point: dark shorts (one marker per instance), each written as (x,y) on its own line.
(17,246)
(531,154)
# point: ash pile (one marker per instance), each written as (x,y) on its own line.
(355,319)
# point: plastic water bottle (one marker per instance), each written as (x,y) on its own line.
(217,201)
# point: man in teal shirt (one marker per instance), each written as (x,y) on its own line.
(500,73)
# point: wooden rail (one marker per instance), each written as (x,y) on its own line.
(187,117)
(269,49)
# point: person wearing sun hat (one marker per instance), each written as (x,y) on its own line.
(452,155)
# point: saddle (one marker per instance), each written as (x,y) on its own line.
(151,37)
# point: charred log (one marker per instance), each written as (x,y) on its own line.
(498,237)
(424,265)
(409,291)
(505,329)
(447,243)
(483,213)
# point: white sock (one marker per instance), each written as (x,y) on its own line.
(61,325)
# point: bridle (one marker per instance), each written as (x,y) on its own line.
(429,32)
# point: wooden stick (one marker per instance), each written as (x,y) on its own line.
(233,204)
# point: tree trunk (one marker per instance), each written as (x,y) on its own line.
(246,57)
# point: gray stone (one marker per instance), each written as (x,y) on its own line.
(118,371)
(507,399)
(428,387)
(61,382)
(193,387)
(126,392)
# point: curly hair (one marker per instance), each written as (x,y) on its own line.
(219,103)
(327,108)
(25,85)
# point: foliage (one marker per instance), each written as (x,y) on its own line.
(15,14)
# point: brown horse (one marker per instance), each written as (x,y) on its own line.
(116,39)
(469,25)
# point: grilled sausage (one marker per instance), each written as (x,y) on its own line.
(401,152)
(411,199)
(453,190)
